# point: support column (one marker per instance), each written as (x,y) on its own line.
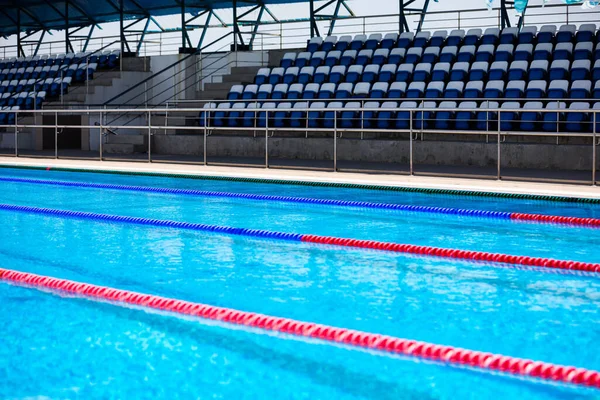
(19,48)
(67,39)
(313,22)
(121,27)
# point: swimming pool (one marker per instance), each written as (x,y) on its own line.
(94,349)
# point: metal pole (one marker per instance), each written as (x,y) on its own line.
(498,172)
(149,136)
(87,78)
(56,135)
(266,139)
(16,134)
(62,77)
(594,151)
(410,143)
(167,116)
(335,141)
(206,119)
(101,133)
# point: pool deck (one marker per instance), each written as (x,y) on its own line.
(428,182)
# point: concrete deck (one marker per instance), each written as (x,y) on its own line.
(451,183)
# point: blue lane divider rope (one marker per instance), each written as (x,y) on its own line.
(153,222)
(264,197)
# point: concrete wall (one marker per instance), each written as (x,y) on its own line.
(572,157)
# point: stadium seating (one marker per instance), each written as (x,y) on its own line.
(511,69)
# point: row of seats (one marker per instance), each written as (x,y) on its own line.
(385,115)
(494,89)
(6,116)
(74,70)
(467,53)
(104,59)
(458,37)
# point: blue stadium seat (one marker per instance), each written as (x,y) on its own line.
(424,119)
(329,114)
(317,59)
(581,89)
(445,115)
(315,114)
(298,115)
(338,74)
(380,90)
(422,72)
(596,70)
(597,51)
(530,119)
(538,70)
(528,34)
(291,75)
(448,54)
(405,40)
(509,35)
(310,91)
(288,60)
(524,52)
(563,51)
(364,57)
(380,56)
(280,91)
(430,55)
(413,55)
(373,41)
(473,90)
(349,117)
(370,73)
(460,72)
(454,90)
(559,70)
(558,89)
(397,56)
(397,90)
(220,115)
(509,119)
(578,121)
(361,90)
(518,71)
(321,74)
(583,51)
(326,91)
(264,91)
(514,89)
(281,117)
(491,36)
(472,37)
(276,75)
(498,71)
(422,39)
(314,44)
(344,90)
(387,73)
(536,89)
(552,120)
(369,115)
(266,113)
(305,75)
(546,34)
(586,33)
(329,43)
(441,72)
(235,114)
(343,43)
(389,41)
(405,72)
(295,91)
(404,115)
(566,33)
(465,117)
(333,58)
(596,92)
(466,54)
(415,90)
(581,70)
(358,42)
(386,114)
(303,59)
(543,51)
(485,52)
(354,73)
(455,38)
(479,71)
(504,52)
(348,57)
(438,39)
(434,90)
(494,90)
(596,108)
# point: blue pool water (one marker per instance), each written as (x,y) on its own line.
(96,350)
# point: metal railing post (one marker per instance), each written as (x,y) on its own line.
(498,176)
(410,143)
(101,134)
(149,136)
(206,119)
(335,141)
(62,74)
(266,139)
(167,116)
(56,135)
(594,149)
(16,133)
(87,78)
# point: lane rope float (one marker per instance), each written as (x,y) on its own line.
(382,343)
(503,215)
(465,255)
(452,192)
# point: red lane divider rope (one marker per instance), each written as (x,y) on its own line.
(389,344)
(556,219)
